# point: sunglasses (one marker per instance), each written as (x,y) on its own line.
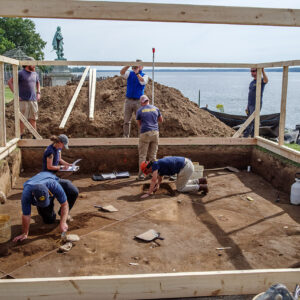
(254,71)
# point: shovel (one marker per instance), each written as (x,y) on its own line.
(107,208)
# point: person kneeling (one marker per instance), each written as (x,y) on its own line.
(40,191)
(170,166)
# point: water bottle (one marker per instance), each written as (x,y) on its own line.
(295,190)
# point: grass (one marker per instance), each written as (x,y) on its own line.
(8,95)
(293,146)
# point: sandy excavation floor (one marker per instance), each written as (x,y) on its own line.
(259,234)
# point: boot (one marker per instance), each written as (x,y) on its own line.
(202,180)
(203,188)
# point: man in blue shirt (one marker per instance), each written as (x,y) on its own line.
(147,117)
(169,166)
(40,191)
(136,82)
(29,94)
(249,131)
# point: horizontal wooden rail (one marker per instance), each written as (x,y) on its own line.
(10,146)
(130,63)
(149,286)
(155,12)
(90,142)
(280,150)
(8,60)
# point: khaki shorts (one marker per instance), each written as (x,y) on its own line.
(29,109)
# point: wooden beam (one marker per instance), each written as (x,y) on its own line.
(90,84)
(29,126)
(130,63)
(8,60)
(257,105)
(16,100)
(288,63)
(284,151)
(195,141)
(155,12)
(150,286)
(2,107)
(5,151)
(93,94)
(283,105)
(244,126)
(73,100)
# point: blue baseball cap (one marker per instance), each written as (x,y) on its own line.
(64,139)
(41,195)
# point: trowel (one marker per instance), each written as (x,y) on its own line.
(107,208)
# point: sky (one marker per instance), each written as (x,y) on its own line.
(175,42)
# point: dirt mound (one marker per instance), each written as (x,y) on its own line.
(182,117)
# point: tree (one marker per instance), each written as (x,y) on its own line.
(18,32)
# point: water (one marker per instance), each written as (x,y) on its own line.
(231,90)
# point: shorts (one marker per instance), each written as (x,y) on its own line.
(29,109)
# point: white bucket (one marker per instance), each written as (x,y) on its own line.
(198,171)
(5,228)
(295,191)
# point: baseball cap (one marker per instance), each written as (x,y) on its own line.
(41,195)
(144,98)
(64,139)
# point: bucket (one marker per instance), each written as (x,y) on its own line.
(295,190)
(198,171)
(5,228)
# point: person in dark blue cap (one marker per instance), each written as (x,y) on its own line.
(40,191)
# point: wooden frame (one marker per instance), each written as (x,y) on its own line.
(16,100)
(97,10)
(149,286)
(257,104)
(92,94)
(2,107)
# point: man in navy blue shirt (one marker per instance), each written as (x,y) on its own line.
(249,131)
(136,82)
(147,117)
(40,191)
(169,166)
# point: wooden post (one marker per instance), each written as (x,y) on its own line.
(16,101)
(73,100)
(90,85)
(93,93)
(257,105)
(283,104)
(2,107)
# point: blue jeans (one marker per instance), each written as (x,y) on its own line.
(47,213)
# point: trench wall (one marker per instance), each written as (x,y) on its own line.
(10,168)
(277,170)
(125,158)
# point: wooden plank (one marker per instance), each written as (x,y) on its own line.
(283,104)
(257,105)
(2,107)
(93,94)
(125,11)
(9,60)
(279,64)
(29,126)
(195,141)
(10,147)
(244,126)
(130,63)
(16,100)
(73,100)
(284,151)
(150,286)
(90,84)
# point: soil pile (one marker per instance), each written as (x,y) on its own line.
(182,117)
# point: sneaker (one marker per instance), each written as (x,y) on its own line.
(140,177)
(203,188)
(202,180)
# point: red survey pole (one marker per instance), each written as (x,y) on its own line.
(153,52)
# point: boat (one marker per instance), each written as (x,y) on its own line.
(269,124)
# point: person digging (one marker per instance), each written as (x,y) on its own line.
(169,166)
